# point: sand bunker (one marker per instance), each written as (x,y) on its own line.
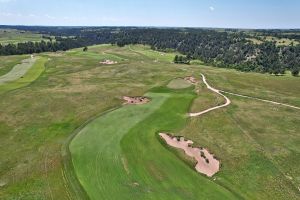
(108,62)
(191,79)
(206,162)
(135,100)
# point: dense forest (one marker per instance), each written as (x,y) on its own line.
(221,48)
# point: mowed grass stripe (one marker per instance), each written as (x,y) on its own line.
(32,74)
(17,71)
(97,146)
(160,174)
(118,156)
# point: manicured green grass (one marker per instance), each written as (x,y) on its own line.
(32,74)
(91,53)
(178,83)
(71,90)
(8,62)
(17,71)
(128,161)
(257,143)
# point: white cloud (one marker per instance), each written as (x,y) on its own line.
(211,8)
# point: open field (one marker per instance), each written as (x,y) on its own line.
(282,41)
(8,36)
(283,89)
(257,143)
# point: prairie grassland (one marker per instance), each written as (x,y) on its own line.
(282,41)
(11,36)
(284,89)
(257,143)
(279,42)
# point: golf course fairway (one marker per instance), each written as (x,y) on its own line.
(119,155)
(22,74)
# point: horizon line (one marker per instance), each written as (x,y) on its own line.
(150,26)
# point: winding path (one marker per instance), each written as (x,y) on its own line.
(264,100)
(228,102)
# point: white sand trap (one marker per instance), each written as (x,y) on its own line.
(135,100)
(206,162)
(18,71)
(108,62)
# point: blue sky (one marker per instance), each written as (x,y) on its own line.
(188,13)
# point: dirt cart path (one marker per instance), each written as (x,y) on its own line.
(228,102)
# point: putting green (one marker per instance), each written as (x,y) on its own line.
(179,83)
(119,155)
(22,74)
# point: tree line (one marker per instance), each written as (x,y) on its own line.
(60,44)
(229,48)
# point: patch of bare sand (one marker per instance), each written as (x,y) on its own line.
(206,162)
(108,62)
(136,100)
(191,80)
